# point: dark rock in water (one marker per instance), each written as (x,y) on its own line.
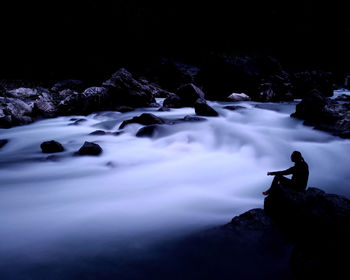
(324,114)
(3,142)
(189,94)
(311,108)
(51,147)
(193,119)
(125,90)
(148,131)
(117,133)
(90,148)
(173,101)
(145,119)
(124,109)
(203,109)
(75,85)
(77,121)
(164,109)
(234,108)
(98,132)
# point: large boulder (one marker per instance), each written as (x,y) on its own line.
(324,114)
(319,225)
(125,90)
(91,100)
(203,109)
(311,108)
(51,147)
(144,119)
(189,93)
(14,111)
(185,96)
(89,149)
(44,106)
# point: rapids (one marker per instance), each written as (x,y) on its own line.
(189,177)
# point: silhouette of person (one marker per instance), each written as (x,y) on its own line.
(300,175)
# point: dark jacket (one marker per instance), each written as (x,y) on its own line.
(300,175)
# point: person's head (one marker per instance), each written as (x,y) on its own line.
(296,157)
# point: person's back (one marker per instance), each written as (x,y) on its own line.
(300,175)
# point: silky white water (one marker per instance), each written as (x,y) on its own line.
(190,176)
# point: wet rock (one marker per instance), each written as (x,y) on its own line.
(14,111)
(164,109)
(188,94)
(203,109)
(238,97)
(3,142)
(51,147)
(125,90)
(234,108)
(23,93)
(311,108)
(117,133)
(98,132)
(90,148)
(324,114)
(124,109)
(77,121)
(173,101)
(145,119)
(44,106)
(91,100)
(148,131)
(188,118)
(319,225)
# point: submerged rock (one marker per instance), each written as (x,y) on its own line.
(3,142)
(51,147)
(234,108)
(148,131)
(145,119)
(90,148)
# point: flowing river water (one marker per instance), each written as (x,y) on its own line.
(188,177)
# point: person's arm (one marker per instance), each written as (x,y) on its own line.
(283,172)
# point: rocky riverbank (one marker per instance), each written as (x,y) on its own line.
(217,77)
(296,236)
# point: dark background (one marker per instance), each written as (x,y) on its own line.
(85,39)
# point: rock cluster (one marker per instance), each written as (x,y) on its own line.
(325,114)
(301,235)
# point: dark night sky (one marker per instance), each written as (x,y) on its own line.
(44,38)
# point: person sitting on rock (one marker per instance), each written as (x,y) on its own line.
(300,175)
